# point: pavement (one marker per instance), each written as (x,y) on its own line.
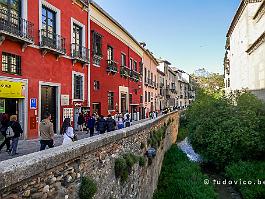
(31,146)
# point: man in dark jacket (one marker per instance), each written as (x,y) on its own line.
(91,125)
(101,125)
(14,124)
(111,124)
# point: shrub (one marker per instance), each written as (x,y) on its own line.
(120,167)
(223,131)
(87,189)
(180,178)
(248,171)
(142,146)
(141,161)
(182,133)
(123,166)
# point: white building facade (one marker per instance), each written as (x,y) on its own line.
(244,63)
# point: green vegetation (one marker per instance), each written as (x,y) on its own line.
(248,171)
(225,130)
(142,146)
(156,137)
(182,133)
(88,188)
(141,161)
(124,164)
(183,130)
(181,179)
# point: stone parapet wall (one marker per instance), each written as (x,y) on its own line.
(56,173)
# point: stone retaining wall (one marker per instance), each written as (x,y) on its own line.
(55,173)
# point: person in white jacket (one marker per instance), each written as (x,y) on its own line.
(67,131)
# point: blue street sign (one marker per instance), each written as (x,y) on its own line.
(33,103)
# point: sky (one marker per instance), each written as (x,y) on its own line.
(190,34)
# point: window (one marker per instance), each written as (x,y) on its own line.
(77,38)
(131,62)
(110,100)
(48,23)
(130,98)
(145,97)
(149,97)
(97,44)
(11,63)
(110,53)
(78,86)
(228,82)
(141,68)
(96,85)
(141,99)
(11,8)
(135,65)
(145,75)
(123,59)
(151,77)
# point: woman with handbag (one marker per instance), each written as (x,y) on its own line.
(67,132)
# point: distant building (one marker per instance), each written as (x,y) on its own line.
(244,62)
(149,82)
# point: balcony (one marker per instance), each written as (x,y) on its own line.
(112,66)
(15,28)
(80,53)
(134,75)
(52,42)
(125,72)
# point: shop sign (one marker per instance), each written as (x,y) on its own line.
(10,89)
(2,106)
(78,104)
(64,100)
(33,103)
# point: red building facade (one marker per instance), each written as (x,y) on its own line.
(116,67)
(46,64)
(44,57)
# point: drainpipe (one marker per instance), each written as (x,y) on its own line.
(89,57)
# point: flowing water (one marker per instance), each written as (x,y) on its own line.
(224,191)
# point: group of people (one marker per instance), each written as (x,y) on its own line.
(11,131)
(101,125)
(92,124)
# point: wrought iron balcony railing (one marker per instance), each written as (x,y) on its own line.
(80,53)
(125,72)
(53,42)
(112,66)
(16,27)
(135,75)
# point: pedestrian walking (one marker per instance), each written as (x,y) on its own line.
(111,124)
(17,132)
(80,122)
(67,131)
(4,125)
(91,125)
(120,122)
(101,125)
(46,132)
(127,121)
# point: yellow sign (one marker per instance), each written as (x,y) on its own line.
(10,89)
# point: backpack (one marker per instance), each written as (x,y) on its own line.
(9,132)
